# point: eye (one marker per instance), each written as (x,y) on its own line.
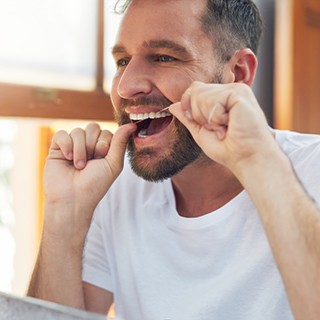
(164,58)
(122,62)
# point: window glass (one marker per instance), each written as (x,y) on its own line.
(112,21)
(49,42)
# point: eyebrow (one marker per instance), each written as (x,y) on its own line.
(155,44)
(167,44)
(118,49)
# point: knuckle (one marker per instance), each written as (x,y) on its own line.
(92,126)
(243,87)
(105,134)
(60,133)
(195,86)
(61,137)
(76,131)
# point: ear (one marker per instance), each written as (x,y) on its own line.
(243,66)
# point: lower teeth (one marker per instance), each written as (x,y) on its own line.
(142,133)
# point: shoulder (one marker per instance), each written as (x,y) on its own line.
(299,147)
(304,152)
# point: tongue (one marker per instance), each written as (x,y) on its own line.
(158,125)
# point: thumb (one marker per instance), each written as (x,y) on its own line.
(118,145)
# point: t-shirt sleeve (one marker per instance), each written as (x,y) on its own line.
(95,265)
(304,152)
(308,171)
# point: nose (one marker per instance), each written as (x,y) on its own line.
(135,79)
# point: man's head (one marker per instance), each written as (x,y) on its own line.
(232,25)
(160,50)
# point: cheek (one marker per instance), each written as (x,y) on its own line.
(172,85)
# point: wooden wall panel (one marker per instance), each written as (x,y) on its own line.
(32,102)
(297,85)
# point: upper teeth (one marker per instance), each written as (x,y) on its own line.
(151,115)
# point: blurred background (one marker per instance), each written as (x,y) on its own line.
(55,71)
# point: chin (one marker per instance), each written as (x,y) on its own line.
(148,165)
(154,165)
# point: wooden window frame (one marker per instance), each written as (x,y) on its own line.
(40,102)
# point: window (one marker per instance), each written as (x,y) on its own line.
(52,59)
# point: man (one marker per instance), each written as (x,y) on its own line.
(222,226)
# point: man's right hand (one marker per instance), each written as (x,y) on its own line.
(81,166)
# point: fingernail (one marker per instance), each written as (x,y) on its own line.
(221,134)
(81,164)
(187,92)
(188,114)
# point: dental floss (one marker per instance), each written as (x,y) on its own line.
(165,109)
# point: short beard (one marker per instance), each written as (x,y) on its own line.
(183,152)
(180,154)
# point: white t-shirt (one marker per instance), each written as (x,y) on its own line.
(162,266)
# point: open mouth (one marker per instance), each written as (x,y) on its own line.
(151,123)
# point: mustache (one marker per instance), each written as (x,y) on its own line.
(162,102)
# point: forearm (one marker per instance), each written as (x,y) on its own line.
(292,224)
(57,274)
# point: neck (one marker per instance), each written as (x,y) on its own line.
(202,187)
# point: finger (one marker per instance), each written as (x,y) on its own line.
(186,103)
(183,116)
(78,137)
(218,115)
(92,133)
(177,110)
(61,146)
(200,99)
(118,146)
(218,119)
(102,144)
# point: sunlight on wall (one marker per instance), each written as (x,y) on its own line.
(18,203)
(25,186)
(7,244)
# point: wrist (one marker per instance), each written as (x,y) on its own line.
(263,168)
(269,180)
(67,222)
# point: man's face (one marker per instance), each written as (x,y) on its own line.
(159,52)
